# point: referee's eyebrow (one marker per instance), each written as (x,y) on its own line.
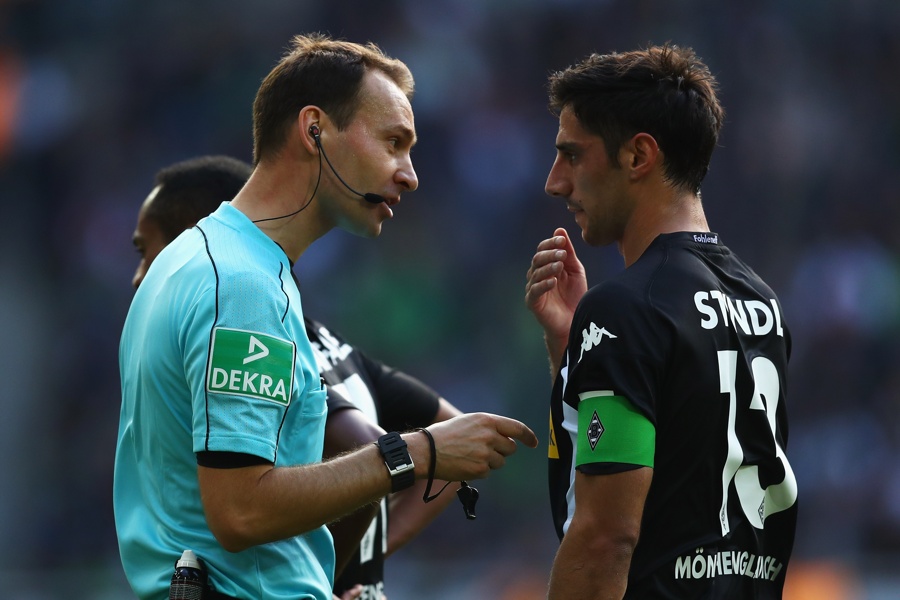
(407,134)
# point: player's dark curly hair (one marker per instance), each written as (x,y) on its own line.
(191,189)
(664,91)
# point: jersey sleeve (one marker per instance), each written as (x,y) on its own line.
(241,363)
(403,401)
(616,353)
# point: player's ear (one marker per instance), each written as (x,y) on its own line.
(640,155)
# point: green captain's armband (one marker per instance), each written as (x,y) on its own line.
(611,430)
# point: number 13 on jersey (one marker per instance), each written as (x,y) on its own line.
(757,502)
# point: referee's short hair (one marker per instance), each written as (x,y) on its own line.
(317,71)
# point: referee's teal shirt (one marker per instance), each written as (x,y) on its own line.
(214,357)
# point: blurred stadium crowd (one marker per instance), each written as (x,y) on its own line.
(96,95)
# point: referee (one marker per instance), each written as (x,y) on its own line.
(365,399)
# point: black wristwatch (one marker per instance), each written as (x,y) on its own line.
(397,460)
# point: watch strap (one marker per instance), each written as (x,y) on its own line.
(399,463)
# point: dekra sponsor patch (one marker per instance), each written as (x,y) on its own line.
(247,363)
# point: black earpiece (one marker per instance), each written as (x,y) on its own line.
(314,131)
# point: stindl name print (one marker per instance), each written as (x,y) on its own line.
(727,562)
(750,317)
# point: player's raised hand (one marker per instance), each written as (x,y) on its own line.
(556,281)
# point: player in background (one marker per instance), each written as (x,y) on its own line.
(365,397)
(668,473)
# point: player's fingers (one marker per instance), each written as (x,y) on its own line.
(544,265)
(535,289)
(553,242)
(543,258)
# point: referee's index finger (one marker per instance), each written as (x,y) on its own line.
(515,430)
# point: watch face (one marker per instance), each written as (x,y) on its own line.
(397,470)
(398,460)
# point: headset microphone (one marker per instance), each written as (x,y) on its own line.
(372,198)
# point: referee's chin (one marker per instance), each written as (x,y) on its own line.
(362,223)
(365,230)
(374,229)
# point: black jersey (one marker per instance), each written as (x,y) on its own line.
(391,398)
(697,343)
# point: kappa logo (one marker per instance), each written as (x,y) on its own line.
(245,363)
(595,431)
(592,337)
(329,351)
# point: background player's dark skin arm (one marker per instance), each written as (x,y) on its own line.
(410,514)
(595,555)
(346,430)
